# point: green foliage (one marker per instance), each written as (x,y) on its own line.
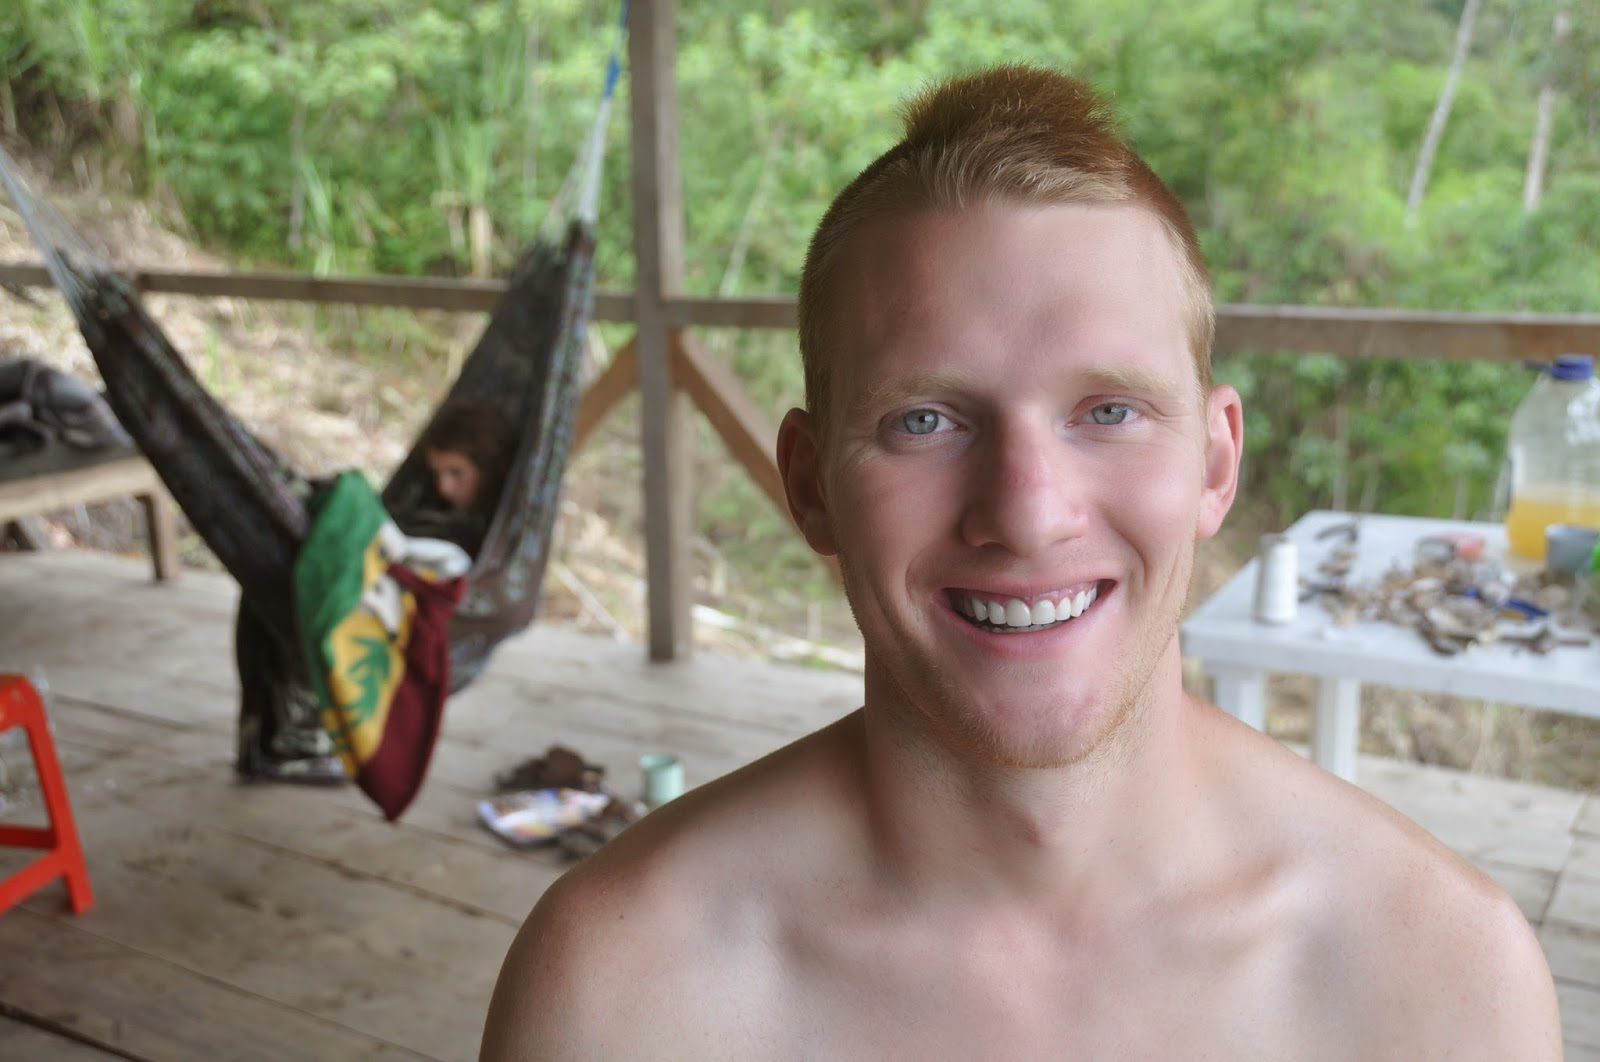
(385,135)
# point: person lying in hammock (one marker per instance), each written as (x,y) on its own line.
(468,447)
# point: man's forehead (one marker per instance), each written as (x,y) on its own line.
(935,289)
(1027,230)
(907,267)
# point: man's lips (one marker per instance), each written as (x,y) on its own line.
(1018,613)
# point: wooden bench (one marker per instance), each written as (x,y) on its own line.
(55,478)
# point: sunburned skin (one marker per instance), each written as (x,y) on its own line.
(1029,842)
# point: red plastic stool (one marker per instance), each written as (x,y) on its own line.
(20,706)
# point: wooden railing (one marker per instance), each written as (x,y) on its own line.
(1356,333)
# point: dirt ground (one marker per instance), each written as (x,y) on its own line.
(344,387)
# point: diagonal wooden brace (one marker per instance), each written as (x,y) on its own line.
(719,396)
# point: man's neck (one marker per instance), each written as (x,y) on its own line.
(947,825)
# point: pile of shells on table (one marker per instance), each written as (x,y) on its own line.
(1455,599)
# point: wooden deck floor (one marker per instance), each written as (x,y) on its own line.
(276,922)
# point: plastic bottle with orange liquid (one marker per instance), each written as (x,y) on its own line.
(1554,455)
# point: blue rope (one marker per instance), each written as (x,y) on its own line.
(614,66)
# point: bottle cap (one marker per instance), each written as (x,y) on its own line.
(1577,367)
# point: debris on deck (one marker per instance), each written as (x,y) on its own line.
(558,798)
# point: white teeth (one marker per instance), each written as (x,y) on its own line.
(1017,614)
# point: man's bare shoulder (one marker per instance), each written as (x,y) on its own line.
(1402,939)
(667,930)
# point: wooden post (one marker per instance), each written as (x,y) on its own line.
(658,251)
(161,528)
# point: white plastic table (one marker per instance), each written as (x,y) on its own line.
(1238,653)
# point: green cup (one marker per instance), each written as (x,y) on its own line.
(663,778)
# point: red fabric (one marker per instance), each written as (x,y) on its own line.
(393,776)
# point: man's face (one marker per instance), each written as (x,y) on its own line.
(1018,433)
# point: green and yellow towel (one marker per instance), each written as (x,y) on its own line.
(374,614)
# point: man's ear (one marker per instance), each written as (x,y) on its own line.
(800,464)
(1224,449)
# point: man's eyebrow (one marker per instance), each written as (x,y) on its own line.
(1130,379)
(897,389)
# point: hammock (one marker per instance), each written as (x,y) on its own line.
(257,515)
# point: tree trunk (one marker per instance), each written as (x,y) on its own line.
(1539,152)
(1441,112)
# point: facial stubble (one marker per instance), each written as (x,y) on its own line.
(925,694)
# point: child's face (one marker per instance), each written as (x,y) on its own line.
(455,475)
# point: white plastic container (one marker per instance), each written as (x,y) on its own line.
(1277,598)
(1554,455)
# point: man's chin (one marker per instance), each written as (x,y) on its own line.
(1037,737)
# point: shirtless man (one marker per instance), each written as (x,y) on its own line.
(1030,842)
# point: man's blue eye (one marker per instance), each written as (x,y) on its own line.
(920,421)
(1110,413)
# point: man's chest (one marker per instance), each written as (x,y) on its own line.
(1227,1002)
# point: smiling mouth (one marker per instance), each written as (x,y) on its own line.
(1016,616)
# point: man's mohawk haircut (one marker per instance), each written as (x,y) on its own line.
(1024,131)
(1018,98)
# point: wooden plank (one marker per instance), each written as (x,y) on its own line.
(611,730)
(22,1039)
(161,526)
(492,881)
(415,293)
(189,701)
(744,429)
(733,692)
(658,252)
(759,311)
(620,380)
(65,977)
(388,963)
(751,439)
(76,486)
(1377,333)
(1352,332)
(168,855)
(449,860)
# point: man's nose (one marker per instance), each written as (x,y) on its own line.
(1027,490)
